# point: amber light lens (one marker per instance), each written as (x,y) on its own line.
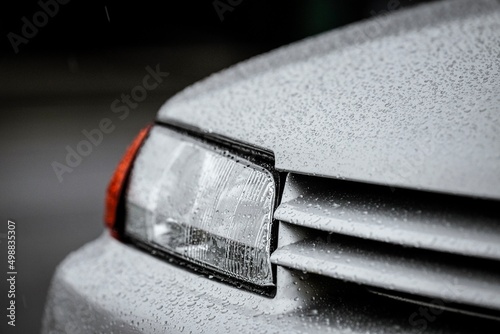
(117,183)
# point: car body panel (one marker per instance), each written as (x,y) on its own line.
(108,287)
(415,104)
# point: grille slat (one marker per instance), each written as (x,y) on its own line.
(403,270)
(420,244)
(435,222)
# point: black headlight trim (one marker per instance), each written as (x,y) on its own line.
(258,156)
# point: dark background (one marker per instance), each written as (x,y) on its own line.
(63,80)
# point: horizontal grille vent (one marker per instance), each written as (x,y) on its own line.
(394,269)
(402,241)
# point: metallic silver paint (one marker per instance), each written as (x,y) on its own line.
(409,100)
(464,230)
(108,286)
(402,271)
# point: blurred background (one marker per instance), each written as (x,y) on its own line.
(61,71)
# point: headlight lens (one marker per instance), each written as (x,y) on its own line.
(202,204)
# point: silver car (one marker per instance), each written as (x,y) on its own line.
(348,183)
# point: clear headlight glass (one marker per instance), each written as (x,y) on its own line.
(202,204)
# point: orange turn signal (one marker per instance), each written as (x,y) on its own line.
(116,186)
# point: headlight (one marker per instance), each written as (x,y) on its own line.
(203,204)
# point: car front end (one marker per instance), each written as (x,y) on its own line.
(347,183)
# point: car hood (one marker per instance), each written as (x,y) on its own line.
(407,100)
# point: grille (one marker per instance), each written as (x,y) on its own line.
(411,245)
